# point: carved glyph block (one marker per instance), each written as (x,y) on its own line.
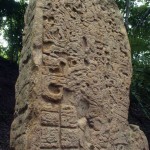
(50,137)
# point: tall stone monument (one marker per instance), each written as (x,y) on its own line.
(75,71)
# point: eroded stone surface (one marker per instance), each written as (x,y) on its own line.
(75,72)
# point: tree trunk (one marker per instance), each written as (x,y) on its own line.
(128,2)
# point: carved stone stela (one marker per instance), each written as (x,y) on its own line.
(75,71)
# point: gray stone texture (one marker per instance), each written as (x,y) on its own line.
(75,71)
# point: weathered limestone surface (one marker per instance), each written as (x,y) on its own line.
(75,71)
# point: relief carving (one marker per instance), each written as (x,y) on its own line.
(76,71)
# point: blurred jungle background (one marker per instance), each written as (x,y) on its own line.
(136,15)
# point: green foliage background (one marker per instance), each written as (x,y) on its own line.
(138,28)
(11,24)
(139,37)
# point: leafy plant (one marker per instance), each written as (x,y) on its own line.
(11,23)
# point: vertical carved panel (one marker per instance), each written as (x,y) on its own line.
(76,72)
